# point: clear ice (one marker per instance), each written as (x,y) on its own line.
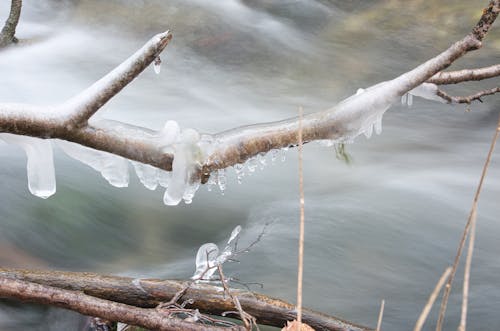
(157,65)
(112,167)
(40,163)
(208,257)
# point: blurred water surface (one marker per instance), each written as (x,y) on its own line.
(384,227)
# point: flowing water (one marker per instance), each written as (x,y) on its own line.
(384,226)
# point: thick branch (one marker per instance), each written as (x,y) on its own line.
(207,298)
(467,99)
(151,319)
(234,146)
(7,36)
(466,75)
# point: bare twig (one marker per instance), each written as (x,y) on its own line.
(92,306)
(467,99)
(432,298)
(380,315)
(300,268)
(472,214)
(206,298)
(8,34)
(465,75)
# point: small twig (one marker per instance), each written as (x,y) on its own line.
(432,298)
(465,75)
(447,290)
(380,315)
(467,99)
(468,261)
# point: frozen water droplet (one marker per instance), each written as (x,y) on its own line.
(410,99)
(378,125)
(369,130)
(157,65)
(359,91)
(251,164)
(189,193)
(40,163)
(262,161)
(239,169)
(221,180)
(211,182)
(274,155)
(404,97)
(205,261)
(283,153)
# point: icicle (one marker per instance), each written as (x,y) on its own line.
(40,164)
(239,169)
(274,155)
(404,97)
(157,65)
(234,234)
(189,193)
(221,180)
(186,154)
(378,125)
(369,130)
(283,153)
(211,182)
(205,261)
(262,160)
(112,167)
(251,164)
(147,174)
(410,99)
(164,177)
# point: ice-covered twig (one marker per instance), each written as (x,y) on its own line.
(465,75)
(467,99)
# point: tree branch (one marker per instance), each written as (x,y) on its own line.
(467,99)
(7,36)
(343,122)
(151,319)
(151,292)
(465,75)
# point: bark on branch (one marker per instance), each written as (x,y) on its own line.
(467,99)
(8,34)
(151,319)
(465,75)
(149,293)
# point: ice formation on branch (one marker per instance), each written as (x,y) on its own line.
(208,257)
(112,167)
(40,164)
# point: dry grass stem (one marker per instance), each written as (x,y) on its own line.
(430,302)
(472,214)
(301,231)
(380,315)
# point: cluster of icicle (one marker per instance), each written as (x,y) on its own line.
(190,150)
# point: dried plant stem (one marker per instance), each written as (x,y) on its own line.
(472,216)
(380,315)
(472,238)
(430,302)
(301,230)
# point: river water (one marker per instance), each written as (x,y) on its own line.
(384,226)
